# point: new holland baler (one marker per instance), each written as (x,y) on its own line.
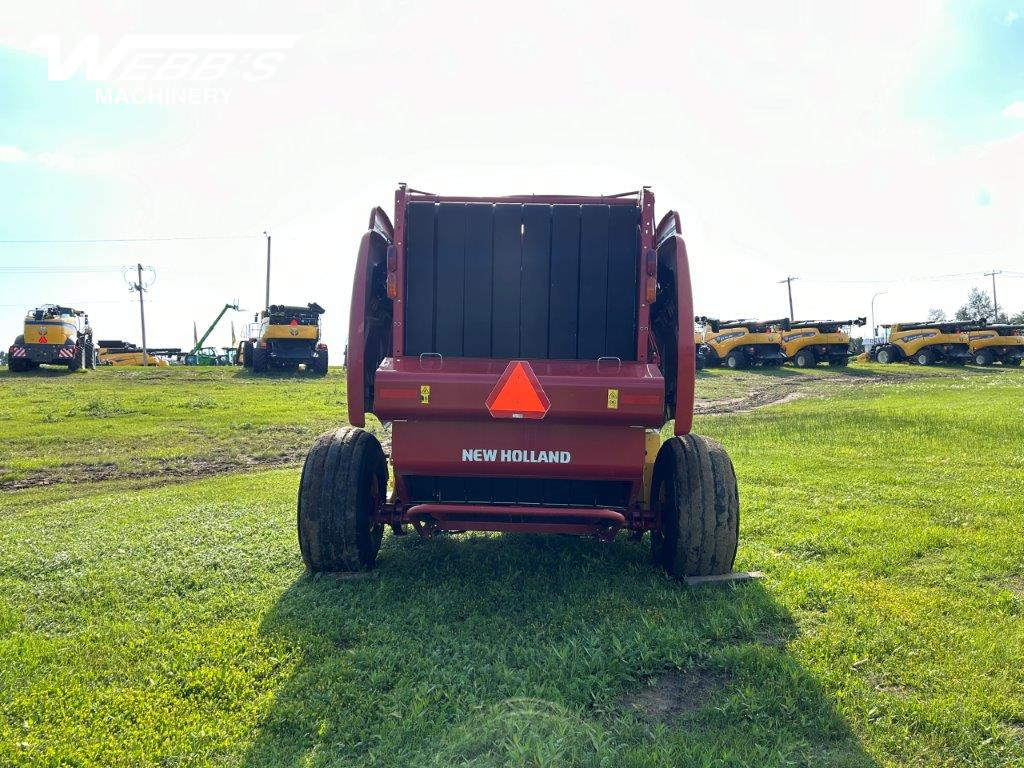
(527,351)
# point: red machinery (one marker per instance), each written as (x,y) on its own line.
(527,351)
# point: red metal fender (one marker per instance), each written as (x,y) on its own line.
(357,336)
(686,361)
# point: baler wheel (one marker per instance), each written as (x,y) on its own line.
(343,482)
(695,495)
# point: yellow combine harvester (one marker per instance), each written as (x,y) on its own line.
(926,343)
(743,343)
(53,335)
(285,337)
(997,343)
(809,342)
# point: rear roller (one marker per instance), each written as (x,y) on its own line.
(695,496)
(344,481)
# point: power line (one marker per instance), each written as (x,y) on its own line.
(128,240)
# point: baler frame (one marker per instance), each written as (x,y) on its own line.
(587,461)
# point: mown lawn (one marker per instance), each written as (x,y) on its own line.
(118,423)
(175,625)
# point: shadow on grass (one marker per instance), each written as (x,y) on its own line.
(245,373)
(515,650)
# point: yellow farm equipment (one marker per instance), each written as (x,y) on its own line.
(53,335)
(743,343)
(809,342)
(997,344)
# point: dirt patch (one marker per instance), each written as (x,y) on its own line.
(191,469)
(778,390)
(676,694)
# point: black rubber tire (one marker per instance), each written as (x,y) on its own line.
(247,350)
(805,358)
(984,357)
(737,360)
(78,361)
(1013,362)
(260,360)
(90,357)
(17,364)
(886,356)
(695,495)
(924,357)
(19,340)
(711,358)
(344,477)
(839,362)
(320,363)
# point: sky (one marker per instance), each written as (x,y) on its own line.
(868,149)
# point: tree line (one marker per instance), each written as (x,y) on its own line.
(978,307)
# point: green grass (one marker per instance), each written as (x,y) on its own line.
(132,422)
(175,625)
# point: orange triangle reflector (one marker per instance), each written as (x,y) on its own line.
(518,394)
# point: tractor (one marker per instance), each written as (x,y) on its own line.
(741,344)
(997,343)
(809,342)
(53,335)
(926,343)
(284,337)
(527,352)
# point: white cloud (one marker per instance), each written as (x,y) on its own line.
(11,154)
(1011,16)
(1015,109)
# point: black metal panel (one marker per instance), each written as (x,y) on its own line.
(623,270)
(451,278)
(565,275)
(593,300)
(613,494)
(533,335)
(507,285)
(479,275)
(419,271)
(510,280)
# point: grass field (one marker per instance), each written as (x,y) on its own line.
(154,609)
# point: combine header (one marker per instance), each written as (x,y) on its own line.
(809,342)
(743,343)
(527,351)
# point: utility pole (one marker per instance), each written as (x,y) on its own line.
(874,328)
(267,303)
(141,287)
(995,303)
(789,287)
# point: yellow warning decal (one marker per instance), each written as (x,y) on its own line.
(613,398)
(425,394)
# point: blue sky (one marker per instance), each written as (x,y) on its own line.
(850,145)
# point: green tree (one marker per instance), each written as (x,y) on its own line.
(979,307)
(936,315)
